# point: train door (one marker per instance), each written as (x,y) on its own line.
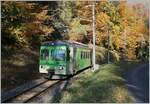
(74,60)
(91,57)
(71,60)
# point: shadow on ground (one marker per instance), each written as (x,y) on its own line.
(18,66)
(137,81)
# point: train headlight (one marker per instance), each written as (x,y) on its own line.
(61,68)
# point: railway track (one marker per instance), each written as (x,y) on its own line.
(32,92)
(26,97)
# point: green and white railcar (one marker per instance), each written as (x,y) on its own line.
(64,58)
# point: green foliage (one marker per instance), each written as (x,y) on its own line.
(13,14)
(105,85)
(102,55)
(77,31)
(67,11)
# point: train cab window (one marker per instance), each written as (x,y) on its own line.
(44,54)
(58,54)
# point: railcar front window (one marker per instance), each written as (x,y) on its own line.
(58,55)
(44,54)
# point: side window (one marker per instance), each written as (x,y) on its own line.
(52,53)
(82,55)
(44,54)
(86,55)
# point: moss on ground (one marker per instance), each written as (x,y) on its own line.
(105,85)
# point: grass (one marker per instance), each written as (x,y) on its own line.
(105,85)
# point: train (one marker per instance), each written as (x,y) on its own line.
(60,59)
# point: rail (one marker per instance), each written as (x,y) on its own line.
(31,92)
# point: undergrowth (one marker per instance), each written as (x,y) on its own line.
(105,85)
(18,67)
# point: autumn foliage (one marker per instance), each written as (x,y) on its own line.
(120,26)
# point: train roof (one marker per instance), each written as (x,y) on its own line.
(70,43)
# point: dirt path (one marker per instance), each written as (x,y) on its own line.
(137,81)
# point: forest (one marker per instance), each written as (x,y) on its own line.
(120,27)
(121,31)
(122,44)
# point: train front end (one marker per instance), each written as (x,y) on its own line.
(53,59)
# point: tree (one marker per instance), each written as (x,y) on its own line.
(22,21)
(120,19)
